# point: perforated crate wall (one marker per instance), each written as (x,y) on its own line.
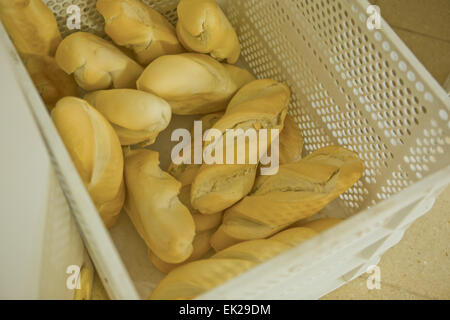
(349,85)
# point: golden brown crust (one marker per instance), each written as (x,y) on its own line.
(201,248)
(261,104)
(96,63)
(95,150)
(203,27)
(297,192)
(193,83)
(133,24)
(137,117)
(31,25)
(152,203)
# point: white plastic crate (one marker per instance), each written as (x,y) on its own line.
(351,86)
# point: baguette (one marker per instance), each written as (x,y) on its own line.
(152,204)
(134,25)
(201,248)
(95,150)
(261,104)
(96,63)
(195,278)
(138,117)
(31,26)
(193,83)
(297,192)
(203,27)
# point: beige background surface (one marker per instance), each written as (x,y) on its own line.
(419,266)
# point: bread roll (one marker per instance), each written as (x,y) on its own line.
(138,117)
(195,278)
(291,142)
(96,64)
(51,82)
(193,83)
(203,27)
(133,24)
(201,248)
(297,192)
(95,150)
(31,26)
(261,104)
(164,223)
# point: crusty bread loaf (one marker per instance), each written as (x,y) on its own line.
(201,248)
(203,27)
(291,142)
(193,83)
(96,63)
(152,204)
(261,104)
(138,117)
(193,279)
(297,192)
(95,150)
(51,82)
(31,26)
(133,24)
(217,187)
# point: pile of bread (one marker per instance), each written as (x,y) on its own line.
(130,88)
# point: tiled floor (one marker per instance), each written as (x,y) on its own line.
(419,266)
